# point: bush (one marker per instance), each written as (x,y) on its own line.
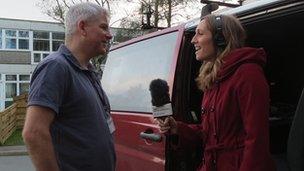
(14,139)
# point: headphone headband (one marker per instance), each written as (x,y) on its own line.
(219,38)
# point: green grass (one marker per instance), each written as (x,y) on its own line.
(15,139)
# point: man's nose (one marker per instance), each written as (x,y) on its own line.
(109,35)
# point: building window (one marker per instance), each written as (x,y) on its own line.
(23,39)
(41,41)
(24,83)
(24,77)
(11,77)
(39,56)
(15,85)
(10,90)
(57,40)
(15,39)
(10,39)
(44,43)
(24,87)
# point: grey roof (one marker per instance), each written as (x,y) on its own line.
(30,25)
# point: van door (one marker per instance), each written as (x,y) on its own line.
(186,102)
(128,72)
(295,148)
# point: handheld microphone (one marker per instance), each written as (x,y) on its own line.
(161,104)
(161,108)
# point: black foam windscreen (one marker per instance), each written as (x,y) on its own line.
(159,90)
(218,37)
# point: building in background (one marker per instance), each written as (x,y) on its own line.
(23,44)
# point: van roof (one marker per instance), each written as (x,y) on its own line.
(247,10)
(241,10)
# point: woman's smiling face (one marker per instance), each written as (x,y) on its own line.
(203,43)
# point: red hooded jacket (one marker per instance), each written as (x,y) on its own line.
(234,128)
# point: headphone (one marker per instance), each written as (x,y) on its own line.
(218,38)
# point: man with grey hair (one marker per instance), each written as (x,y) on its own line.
(68,124)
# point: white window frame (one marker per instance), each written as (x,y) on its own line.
(17,37)
(3,83)
(49,39)
(43,52)
(40,52)
(41,56)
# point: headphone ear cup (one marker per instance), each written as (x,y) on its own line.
(219,38)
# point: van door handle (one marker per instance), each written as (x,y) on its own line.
(151,136)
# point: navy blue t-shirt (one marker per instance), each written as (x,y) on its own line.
(80,133)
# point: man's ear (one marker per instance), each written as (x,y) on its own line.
(81,27)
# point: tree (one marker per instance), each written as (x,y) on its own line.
(156,14)
(165,10)
(56,9)
(169,10)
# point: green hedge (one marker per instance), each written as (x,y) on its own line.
(14,139)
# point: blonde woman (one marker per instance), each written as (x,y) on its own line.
(234,127)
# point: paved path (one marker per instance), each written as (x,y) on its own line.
(16,163)
(15,158)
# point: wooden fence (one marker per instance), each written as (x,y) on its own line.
(12,118)
(21,102)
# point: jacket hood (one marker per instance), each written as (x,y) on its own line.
(237,57)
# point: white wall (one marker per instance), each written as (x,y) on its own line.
(16,69)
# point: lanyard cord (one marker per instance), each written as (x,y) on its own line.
(99,90)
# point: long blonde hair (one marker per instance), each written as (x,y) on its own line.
(234,35)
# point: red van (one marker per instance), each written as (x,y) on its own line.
(275,25)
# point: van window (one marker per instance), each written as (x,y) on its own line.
(130,69)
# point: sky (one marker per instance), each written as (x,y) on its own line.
(22,9)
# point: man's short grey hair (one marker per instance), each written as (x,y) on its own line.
(86,11)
